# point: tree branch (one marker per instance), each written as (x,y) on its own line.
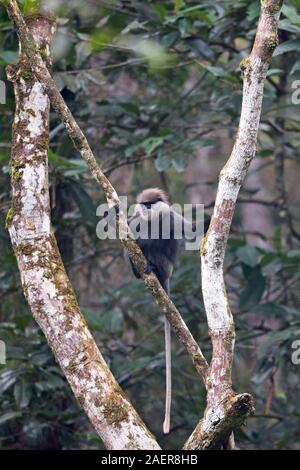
(213,247)
(214,429)
(225,410)
(44,77)
(44,279)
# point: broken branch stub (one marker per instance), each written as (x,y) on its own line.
(213,246)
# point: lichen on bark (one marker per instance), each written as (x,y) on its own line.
(45,283)
(212,253)
(219,417)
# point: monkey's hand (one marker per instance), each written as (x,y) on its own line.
(111,214)
(149,268)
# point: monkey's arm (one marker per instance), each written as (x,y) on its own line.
(149,267)
(182,226)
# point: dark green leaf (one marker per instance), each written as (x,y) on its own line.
(22,393)
(249,255)
(287,46)
(295,67)
(83,200)
(152,143)
(271,308)
(10,415)
(8,378)
(162,162)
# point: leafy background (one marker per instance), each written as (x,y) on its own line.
(156,87)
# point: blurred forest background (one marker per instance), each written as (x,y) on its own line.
(157,89)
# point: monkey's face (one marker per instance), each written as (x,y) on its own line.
(150,210)
(141,211)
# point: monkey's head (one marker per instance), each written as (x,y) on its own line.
(151,201)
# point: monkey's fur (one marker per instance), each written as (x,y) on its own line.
(161,252)
(161,255)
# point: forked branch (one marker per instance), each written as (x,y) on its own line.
(225,410)
(42,74)
(221,399)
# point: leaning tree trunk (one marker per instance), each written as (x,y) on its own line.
(44,279)
(45,282)
(222,402)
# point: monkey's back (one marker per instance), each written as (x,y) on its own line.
(160,252)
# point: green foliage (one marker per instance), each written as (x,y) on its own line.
(29,382)
(30,6)
(156,87)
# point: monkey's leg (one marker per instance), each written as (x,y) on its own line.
(149,268)
(111,214)
(166,425)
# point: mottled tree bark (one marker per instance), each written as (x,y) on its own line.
(221,399)
(47,293)
(44,280)
(40,71)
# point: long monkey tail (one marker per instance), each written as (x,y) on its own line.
(166,425)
